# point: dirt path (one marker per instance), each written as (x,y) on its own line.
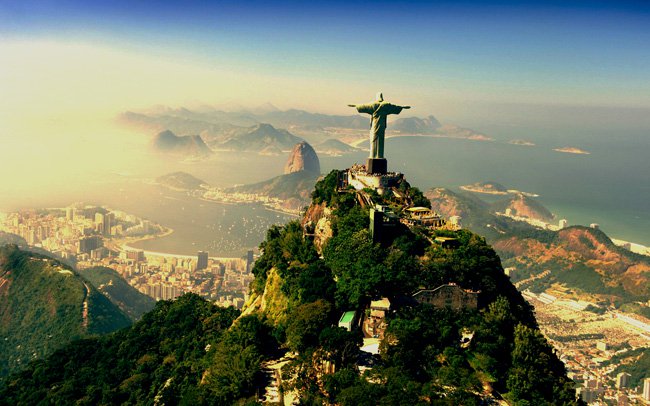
(84,312)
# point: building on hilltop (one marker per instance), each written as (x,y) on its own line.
(447,242)
(424,217)
(455,222)
(450,296)
(359,178)
(375,324)
(348,320)
(382,219)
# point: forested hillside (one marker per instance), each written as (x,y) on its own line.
(44,304)
(191,352)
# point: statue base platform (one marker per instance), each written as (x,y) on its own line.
(377,166)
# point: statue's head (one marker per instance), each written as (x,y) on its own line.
(380,97)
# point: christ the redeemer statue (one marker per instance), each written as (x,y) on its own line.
(379,110)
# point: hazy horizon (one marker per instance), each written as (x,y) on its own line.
(565,75)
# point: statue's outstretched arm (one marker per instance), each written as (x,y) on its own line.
(406,107)
(352,105)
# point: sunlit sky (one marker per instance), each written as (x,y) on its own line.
(71,55)
(68,67)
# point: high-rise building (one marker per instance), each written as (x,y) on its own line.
(87,244)
(98,253)
(135,255)
(646,389)
(202,261)
(69,213)
(622,380)
(249,261)
(109,221)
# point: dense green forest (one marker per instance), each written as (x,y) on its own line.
(161,359)
(189,351)
(41,308)
(113,286)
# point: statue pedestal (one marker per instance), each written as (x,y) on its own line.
(377,166)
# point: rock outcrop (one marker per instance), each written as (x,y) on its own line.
(168,142)
(318,223)
(523,206)
(302,158)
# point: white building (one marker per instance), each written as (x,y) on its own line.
(646,389)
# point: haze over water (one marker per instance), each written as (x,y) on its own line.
(572,75)
(602,187)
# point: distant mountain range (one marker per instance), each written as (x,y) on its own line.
(213,123)
(268,130)
(255,138)
(44,304)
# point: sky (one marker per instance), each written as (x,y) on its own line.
(68,67)
(106,55)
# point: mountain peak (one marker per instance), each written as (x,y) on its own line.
(265,108)
(302,158)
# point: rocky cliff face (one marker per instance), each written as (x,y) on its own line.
(523,206)
(318,222)
(302,158)
(272,303)
(583,250)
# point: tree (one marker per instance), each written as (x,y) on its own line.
(341,345)
(305,324)
(537,375)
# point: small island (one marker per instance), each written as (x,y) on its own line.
(493,188)
(490,188)
(522,143)
(572,150)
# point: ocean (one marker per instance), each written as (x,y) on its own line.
(610,186)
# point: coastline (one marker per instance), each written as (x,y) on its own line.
(123,244)
(266,206)
(572,150)
(484,191)
(171,255)
(128,244)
